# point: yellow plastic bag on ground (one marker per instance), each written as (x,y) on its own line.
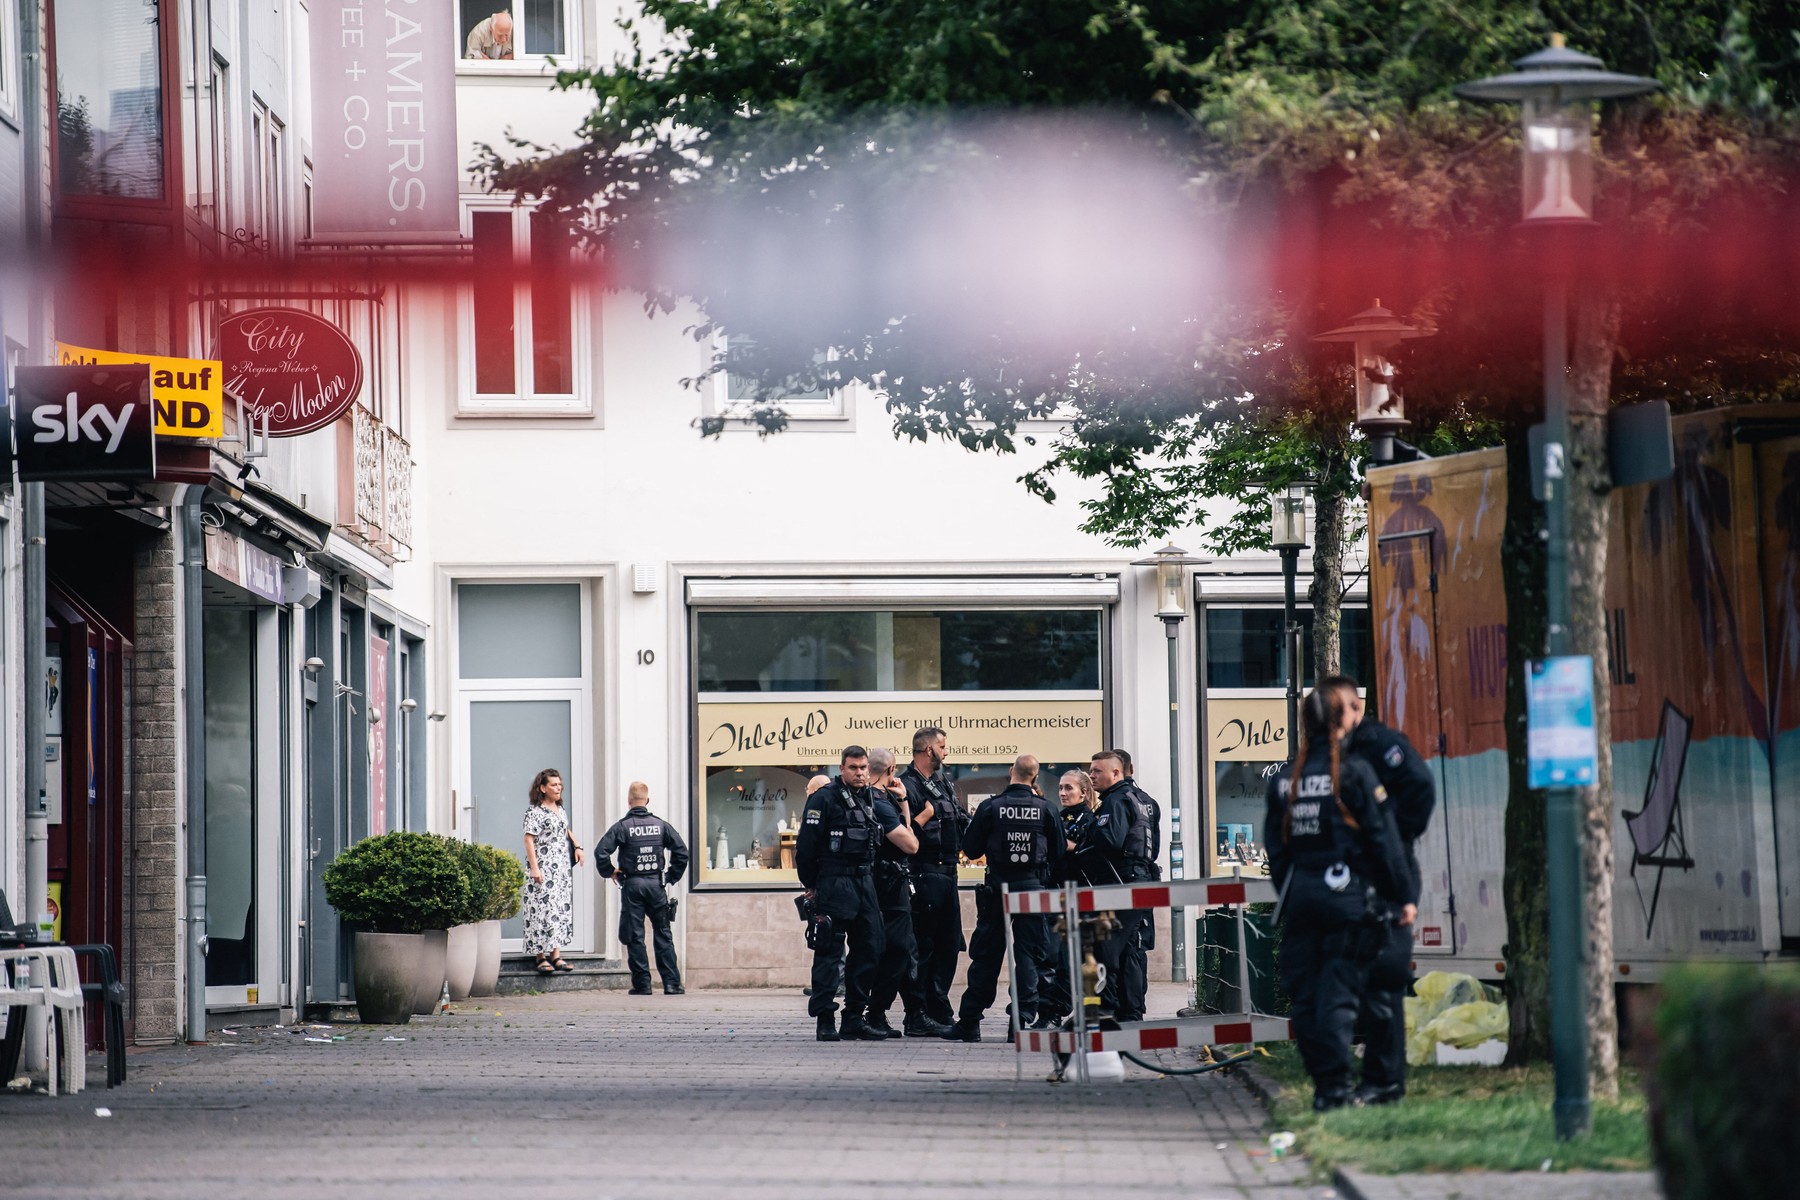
(1451,1008)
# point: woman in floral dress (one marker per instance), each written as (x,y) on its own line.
(550,893)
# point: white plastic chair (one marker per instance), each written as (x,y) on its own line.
(56,987)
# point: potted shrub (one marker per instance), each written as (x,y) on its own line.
(391,889)
(498,880)
(462,949)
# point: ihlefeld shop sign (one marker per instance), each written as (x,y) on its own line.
(785,733)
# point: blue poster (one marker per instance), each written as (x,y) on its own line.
(1559,722)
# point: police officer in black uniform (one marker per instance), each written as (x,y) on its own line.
(640,839)
(1147,809)
(1336,862)
(1127,837)
(1019,835)
(898,971)
(939,819)
(1412,796)
(834,855)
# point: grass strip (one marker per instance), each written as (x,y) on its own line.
(1460,1119)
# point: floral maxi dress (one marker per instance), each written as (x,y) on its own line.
(549,906)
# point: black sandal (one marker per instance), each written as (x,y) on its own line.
(557,963)
(544,967)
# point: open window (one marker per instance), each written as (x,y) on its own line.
(493,34)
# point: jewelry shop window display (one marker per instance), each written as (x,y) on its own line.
(780,694)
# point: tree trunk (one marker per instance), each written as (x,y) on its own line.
(1590,481)
(1327,587)
(1524,880)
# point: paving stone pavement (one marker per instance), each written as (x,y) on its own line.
(1505,1185)
(599,1094)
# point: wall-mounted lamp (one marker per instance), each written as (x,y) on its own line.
(409,704)
(313,666)
(436,716)
(374,716)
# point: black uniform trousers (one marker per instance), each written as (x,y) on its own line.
(1127,987)
(641,896)
(1327,947)
(1382,1027)
(850,902)
(937,928)
(898,970)
(1032,951)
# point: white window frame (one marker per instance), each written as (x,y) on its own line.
(520,63)
(577,402)
(835,406)
(10,63)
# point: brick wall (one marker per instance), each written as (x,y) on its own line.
(153,881)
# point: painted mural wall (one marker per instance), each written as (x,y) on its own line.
(1704,672)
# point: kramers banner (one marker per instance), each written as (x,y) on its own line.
(384,119)
(188,394)
(785,732)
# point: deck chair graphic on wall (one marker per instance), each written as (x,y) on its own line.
(1658,834)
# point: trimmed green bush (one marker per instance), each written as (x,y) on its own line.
(496,882)
(1725,1093)
(399,883)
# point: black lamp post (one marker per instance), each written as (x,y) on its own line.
(1171,563)
(1287,534)
(1557,89)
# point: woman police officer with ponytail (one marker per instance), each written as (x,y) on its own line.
(1336,860)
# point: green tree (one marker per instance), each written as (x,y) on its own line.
(1324,136)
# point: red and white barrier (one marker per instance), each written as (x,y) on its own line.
(1233,891)
(1174,893)
(1164,1035)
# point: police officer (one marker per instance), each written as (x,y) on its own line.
(640,839)
(1075,793)
(834,856)
(1127,838)
(939,819)
(1021,839)
(1412,795)
(1335,859)
(898,971)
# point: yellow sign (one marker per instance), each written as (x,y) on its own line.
(1247,730)
(187,393)
(736,734)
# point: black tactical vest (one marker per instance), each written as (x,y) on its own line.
(937,837)
(850,832)
(1018,846)
(1316,829)
(642,850)
(1137,833)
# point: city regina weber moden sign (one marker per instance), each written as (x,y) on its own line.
(296,371)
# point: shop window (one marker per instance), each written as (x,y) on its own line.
(971,650)
(780,694)
(1243,646)
(521,329)
(514,30)
(109,100)
(231,771)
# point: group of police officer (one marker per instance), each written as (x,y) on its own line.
(877,853)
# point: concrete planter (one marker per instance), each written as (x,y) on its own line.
(385,972)
(487,959)
(429,980)
(460,959)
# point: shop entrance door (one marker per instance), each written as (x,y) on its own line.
(510,739)
(87,689)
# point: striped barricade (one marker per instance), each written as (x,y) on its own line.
(1139,1036)
(1185,893)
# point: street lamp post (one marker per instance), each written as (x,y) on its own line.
(1171,563)
(1380,408)
(1287,533)
(1557,88)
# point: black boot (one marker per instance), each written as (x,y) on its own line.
(964,1031)
(856,1029)
(1324,1101)
(920,1025)
(828,1028)
(1377,1093)
(879,1023)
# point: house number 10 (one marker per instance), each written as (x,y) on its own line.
(646,657)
